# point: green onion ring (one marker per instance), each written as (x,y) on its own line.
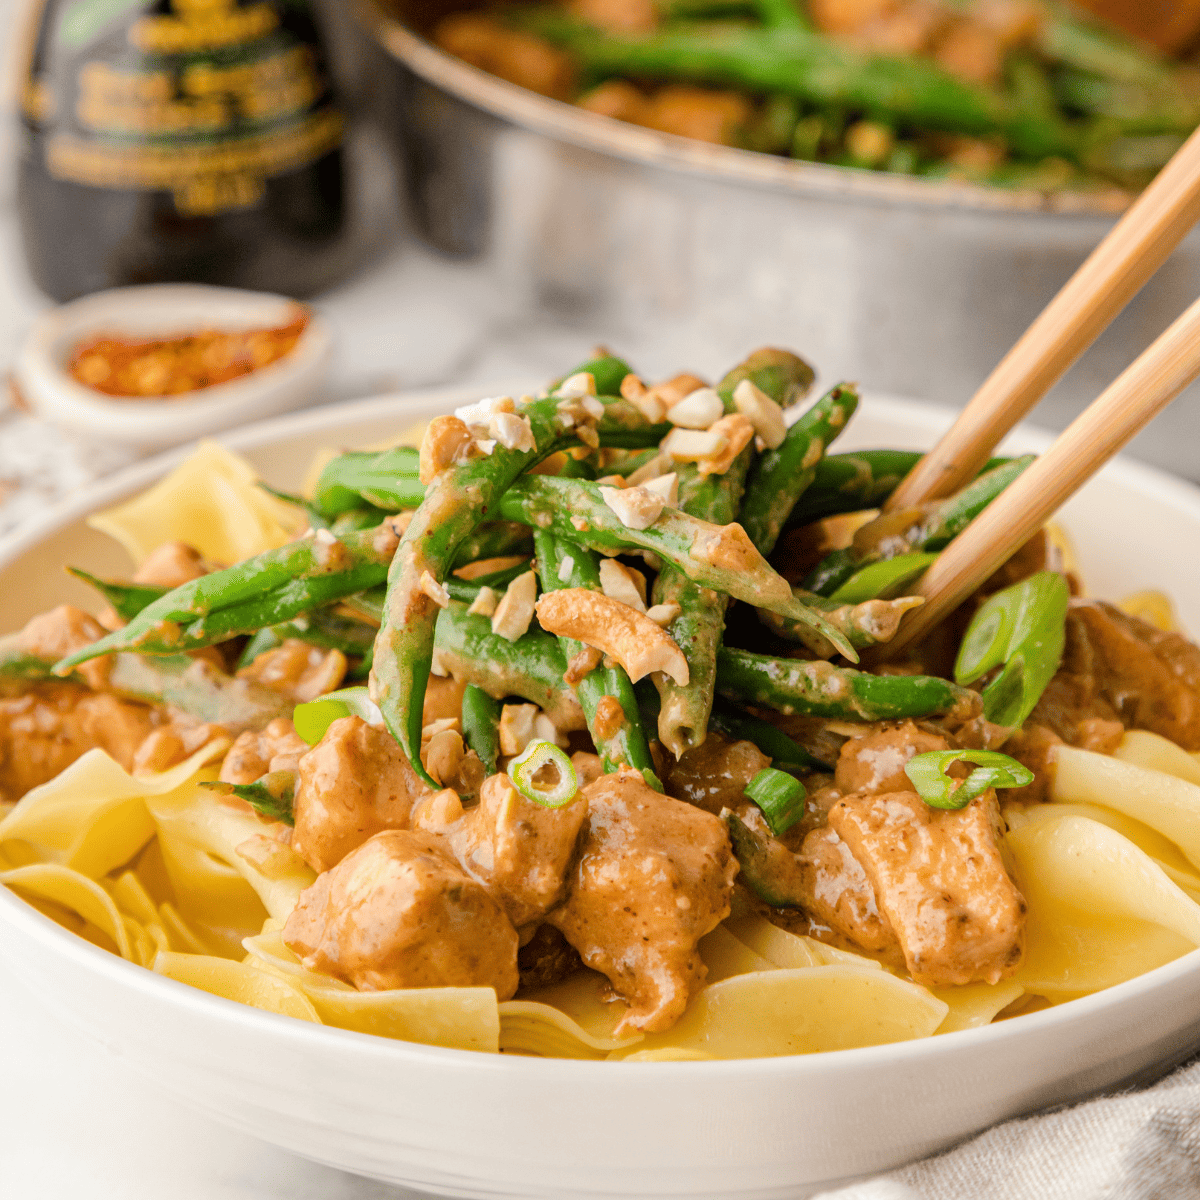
(313,719)
(524,768)
(995,770)
(780,796)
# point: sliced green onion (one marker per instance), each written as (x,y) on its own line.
(884,580)
(780,796)
(1023,628)
(313,719)
(272,796)
(994,770)
(526,771)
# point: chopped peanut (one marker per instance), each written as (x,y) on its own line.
(736,431)
(622,584)
(516,727)
(636,508)
(447,441)
(697,410)
(692,445)
(762,412)
(515,610)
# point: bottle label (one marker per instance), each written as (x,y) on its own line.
(205,99)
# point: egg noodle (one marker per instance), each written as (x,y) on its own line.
(173,878)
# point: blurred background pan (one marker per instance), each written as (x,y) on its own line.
(641,238)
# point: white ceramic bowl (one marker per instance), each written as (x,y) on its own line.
(479,1125)
(163,310)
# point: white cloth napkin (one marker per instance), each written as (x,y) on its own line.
(1131,1146)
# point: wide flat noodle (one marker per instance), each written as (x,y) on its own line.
(976,1004)
(1100,910)
(195,825)
(92,816)
(591,1011)
(786,949)
(210,501)
(237,981)
(460,1018)
(1164,802)
(801,1011)
(74,891)
(1156,753)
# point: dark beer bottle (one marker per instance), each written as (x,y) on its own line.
(179,140)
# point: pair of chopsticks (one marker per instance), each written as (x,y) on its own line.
(1112,275)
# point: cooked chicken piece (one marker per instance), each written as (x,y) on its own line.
(617,16)
(256,753)
(654,876)
(518,849)
(298,670)
(714,775)
(875,763)
(837,891)
(170,744)
(171,565)
(518,57)
(354,782)
(61,631)
(44,730)
(1118,668)
(940,882)
(398,913)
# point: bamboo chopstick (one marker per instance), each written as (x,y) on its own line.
(1112,275)
(1141,392)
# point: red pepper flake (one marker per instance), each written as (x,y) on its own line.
(136,369)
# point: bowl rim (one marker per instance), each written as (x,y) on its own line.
(591,131)
(39,363)
(329,418)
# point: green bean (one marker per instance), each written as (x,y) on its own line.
(715,556)
(783,751)
(273,796)
(862,479)
(697,630)
(885,580)
(386,480)
(607,371)
(127,599)
(323,628)
(818,689)
(812,68)
(899,534)
(481,726)
(356,519)
(494,539)
(264,590)
(768,868)
(618,745)
(532,667)
(633,462)
(780,476)
(867,623)
(784,376)
(1099,50)
(781,14)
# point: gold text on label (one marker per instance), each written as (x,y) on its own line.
(202,25)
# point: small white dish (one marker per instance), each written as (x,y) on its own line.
(165,310)
(493,1127)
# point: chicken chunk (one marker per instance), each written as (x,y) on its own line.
(875,763)
(1117,668)
(654,876)
(171,565)
(518,849)
(355,782)
(940,882)
(399,913)
(256,753)
(44,730)
(61,631)
(298,670)
(835,889)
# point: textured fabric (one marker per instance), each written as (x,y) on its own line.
(1133,1146)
